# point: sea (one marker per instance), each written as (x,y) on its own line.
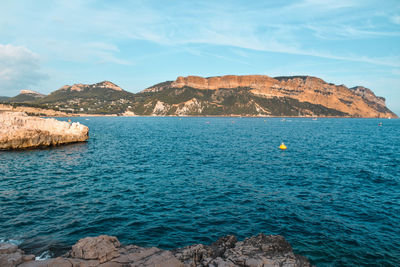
(334,193)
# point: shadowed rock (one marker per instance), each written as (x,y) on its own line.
(11,256)
(19,131)
(106,251)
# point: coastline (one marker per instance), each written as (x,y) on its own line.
(39,112)
(256,251)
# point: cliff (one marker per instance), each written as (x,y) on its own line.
(19,131)
(351,102)
(256,251)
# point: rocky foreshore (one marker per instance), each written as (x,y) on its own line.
(19,131)
(106,251)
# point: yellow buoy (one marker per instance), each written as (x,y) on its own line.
(282,146)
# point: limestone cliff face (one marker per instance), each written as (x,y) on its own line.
(228,81)
(19,131)
(357,102)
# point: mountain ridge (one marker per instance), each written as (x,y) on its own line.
(228,95)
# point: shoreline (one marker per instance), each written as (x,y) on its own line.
(256,251)
(39,112)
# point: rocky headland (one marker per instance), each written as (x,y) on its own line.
(107,251)
(19,131)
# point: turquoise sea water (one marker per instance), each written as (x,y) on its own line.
(169,182)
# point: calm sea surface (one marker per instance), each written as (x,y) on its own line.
(169,182)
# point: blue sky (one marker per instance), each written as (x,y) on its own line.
(135,44)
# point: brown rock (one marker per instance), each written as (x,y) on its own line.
(159,259)
(6,248)
(29,257)
(57,262)
(102,248)
(105,251)
(11,259)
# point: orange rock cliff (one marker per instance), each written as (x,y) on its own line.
(358,101)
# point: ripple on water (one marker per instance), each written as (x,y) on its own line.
(334,194)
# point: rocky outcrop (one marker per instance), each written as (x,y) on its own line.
(11,256)
(31,92)
(19,131)
(256,251)
(354,102)
(80,86)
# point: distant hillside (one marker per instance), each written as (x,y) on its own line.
(100,98)
(26,96)
(248,95)
(4,98)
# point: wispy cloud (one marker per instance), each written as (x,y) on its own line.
(102,34)
(19,68)
(341,32)
(396,19)
(326,5)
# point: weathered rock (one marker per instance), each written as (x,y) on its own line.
(19,131)
(11,256)
(106,251)
(102,248)
(57,262)
(10,260)
(257,251)
(6,248)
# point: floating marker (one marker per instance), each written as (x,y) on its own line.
(282,146)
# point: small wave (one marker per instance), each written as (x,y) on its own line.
(10,241)
(44,256)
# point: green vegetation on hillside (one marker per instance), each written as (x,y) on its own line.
(239,101)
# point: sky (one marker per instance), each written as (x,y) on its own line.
(136,44)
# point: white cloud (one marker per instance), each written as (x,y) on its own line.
(19,69)
(396,19)
(326,5)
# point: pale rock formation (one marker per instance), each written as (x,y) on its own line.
(192,105)
(80,86)
(19,131)
(30,92)
(256,251)
(129,113)
(107,84)
(160,108)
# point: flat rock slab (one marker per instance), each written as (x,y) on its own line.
(19,131)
